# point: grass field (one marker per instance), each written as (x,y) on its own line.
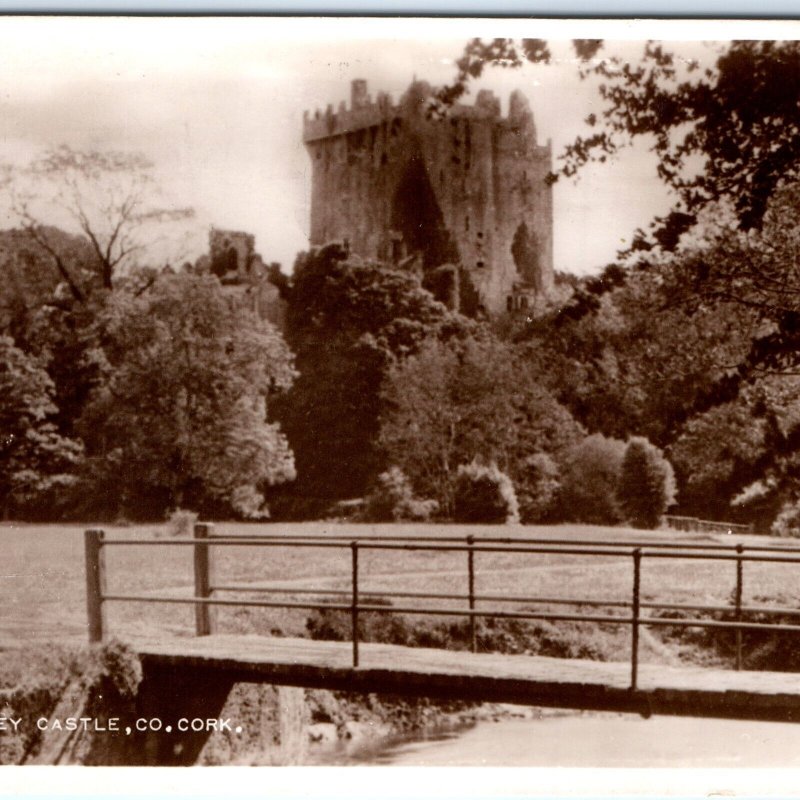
(42,595)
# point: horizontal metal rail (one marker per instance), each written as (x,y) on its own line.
(453,612)
(503,598)
(645,543)
(358,600)
(463,548)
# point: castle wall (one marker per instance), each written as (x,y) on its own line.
(394,183)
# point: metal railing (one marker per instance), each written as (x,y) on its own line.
(204,590)
(697,525)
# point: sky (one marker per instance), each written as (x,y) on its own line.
(217,105)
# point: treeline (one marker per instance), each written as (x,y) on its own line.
(167,392)
(130,392)
(688,358)
(130,401)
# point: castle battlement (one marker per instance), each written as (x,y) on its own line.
(364,112)
(460,199)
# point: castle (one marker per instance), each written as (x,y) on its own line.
(461,199)
(232,257)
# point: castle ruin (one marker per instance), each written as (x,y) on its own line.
(462,199)
(232,257)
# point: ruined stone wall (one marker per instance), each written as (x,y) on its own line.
(231,254)
(241,270)
(404,188)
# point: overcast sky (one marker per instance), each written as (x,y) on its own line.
(217,104)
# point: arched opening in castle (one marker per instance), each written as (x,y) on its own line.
(462,199)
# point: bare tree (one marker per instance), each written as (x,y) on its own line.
(109,197)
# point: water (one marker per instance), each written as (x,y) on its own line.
(591,740)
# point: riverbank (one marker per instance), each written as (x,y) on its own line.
(42,689)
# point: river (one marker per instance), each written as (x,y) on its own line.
(589,739)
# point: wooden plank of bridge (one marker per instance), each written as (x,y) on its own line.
(566,683)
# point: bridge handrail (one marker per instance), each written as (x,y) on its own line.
(203,599)
(505,540)
(591,548)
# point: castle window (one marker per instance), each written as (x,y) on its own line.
(441,176)
(480,234)
(523,302)
(480,264)
(510,303)
(466,223)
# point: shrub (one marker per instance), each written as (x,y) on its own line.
(537,487)
(392,499)
(248,503)
(646,484)
(181,522)
(373,626)
(513,636)
(787,523)
(484,494)
(590,473)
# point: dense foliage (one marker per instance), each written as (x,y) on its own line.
(35,460)
(392,499)
(646,487)
(474,398)
(181,418)
(148,390)
(484,494)
(590,476)
(348,323)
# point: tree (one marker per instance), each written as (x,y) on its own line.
(729,130)
(458,401)
(590,475)
(182,419)
(392,499)
(348,322)
(34,459)
(108,197)
(637,360)
(717,454)
(484,494)
(742,456)
(538,484)
(646,484)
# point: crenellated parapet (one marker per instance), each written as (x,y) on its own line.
(460,199)
(364,112)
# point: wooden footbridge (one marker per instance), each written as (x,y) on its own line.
(197,672)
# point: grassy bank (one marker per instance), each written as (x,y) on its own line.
(42,587)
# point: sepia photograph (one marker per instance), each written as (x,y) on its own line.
(399,393)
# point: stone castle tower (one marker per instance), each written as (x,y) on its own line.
(466,190)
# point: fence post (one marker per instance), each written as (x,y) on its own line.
(471,589)
(354,604)
(95,583)
(637,569)
(202,578)
(738,602)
